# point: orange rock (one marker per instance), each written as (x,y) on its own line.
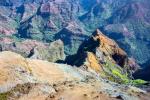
(93,62)
(110,48)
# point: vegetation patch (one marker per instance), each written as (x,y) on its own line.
(4,96)
(116,74)
(138,82)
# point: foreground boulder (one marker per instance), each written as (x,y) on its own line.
(28,79)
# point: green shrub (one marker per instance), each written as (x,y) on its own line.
(3,96)
(123,77)
(138,82)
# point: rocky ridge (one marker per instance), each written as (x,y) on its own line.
(103,55)
(30,79)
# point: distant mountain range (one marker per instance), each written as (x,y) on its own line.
(73,21)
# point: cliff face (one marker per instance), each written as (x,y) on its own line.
(30,79)
(104,56)
(110,49)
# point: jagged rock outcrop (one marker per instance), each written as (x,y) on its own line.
(30,79)
(104,56)
(110,49)
(36,50)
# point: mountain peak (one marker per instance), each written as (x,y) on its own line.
(103,55)
(110,48)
